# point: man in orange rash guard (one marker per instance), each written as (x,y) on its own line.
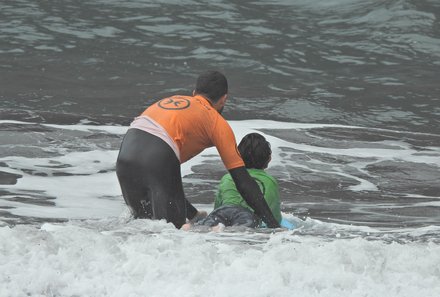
(170,132)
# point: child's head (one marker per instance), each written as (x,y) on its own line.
(255,151)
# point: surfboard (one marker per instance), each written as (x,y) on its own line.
(287,224)
(284,224)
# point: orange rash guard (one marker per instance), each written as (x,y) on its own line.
(194,124)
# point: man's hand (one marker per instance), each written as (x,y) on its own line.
(201,214)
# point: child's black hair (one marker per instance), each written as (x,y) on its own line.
(255,151)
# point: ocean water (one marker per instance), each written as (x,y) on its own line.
(346,91)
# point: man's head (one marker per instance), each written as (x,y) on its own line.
(255,151)
(214,86)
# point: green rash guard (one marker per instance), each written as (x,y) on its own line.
(229,195)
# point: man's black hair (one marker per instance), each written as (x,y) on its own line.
(255,151)
(212,84)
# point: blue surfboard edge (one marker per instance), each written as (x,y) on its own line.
(284,224)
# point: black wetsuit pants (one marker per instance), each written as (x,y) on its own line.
(149,175)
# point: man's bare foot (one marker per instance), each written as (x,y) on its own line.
(186,227)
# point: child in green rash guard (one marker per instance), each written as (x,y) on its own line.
(230,209)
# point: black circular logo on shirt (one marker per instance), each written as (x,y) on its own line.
(174,103)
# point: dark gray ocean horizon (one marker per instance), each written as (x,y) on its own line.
(351,62)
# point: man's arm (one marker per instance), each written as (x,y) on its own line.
(249,190)
(192,214)
(191,211)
